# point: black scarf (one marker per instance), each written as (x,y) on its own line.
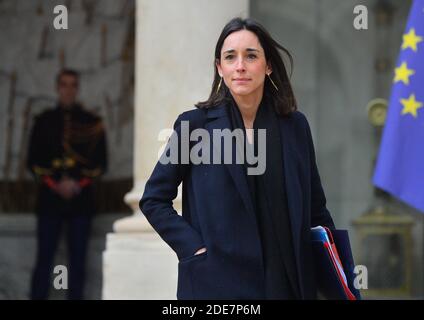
(268,194)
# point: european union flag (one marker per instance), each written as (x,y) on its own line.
(400,165)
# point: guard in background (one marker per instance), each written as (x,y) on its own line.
(67,153)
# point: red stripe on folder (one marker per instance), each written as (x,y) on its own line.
(346,289)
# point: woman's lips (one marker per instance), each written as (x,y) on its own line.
(241,80)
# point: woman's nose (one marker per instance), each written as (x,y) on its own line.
(240,64)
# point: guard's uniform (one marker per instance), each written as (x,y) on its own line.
(64,142)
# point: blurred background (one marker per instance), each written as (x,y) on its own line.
(142,62)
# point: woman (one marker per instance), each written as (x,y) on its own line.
(241,235)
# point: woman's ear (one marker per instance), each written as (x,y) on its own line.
(218,66)
(268,69)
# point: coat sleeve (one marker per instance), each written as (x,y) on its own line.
(320,216)
(156,204)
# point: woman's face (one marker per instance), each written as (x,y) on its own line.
(243,65)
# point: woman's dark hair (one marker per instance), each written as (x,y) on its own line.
(284,100)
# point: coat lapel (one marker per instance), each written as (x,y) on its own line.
(219,120)
(293,187)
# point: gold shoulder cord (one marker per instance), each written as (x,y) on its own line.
(91,173)
(41,171)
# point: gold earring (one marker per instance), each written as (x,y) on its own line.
(219,85)
(272,82)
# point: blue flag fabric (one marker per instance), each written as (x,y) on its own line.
(400,164)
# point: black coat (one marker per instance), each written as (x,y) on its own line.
(71,143)
(217,213)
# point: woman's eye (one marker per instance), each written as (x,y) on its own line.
(251,56)
(230,56)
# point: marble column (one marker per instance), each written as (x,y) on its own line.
(175,43)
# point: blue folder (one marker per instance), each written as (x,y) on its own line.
(328,279)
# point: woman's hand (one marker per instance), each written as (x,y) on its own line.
(200,251)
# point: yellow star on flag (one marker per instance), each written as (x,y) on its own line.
(410,105)
(410,40)
(402,73)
